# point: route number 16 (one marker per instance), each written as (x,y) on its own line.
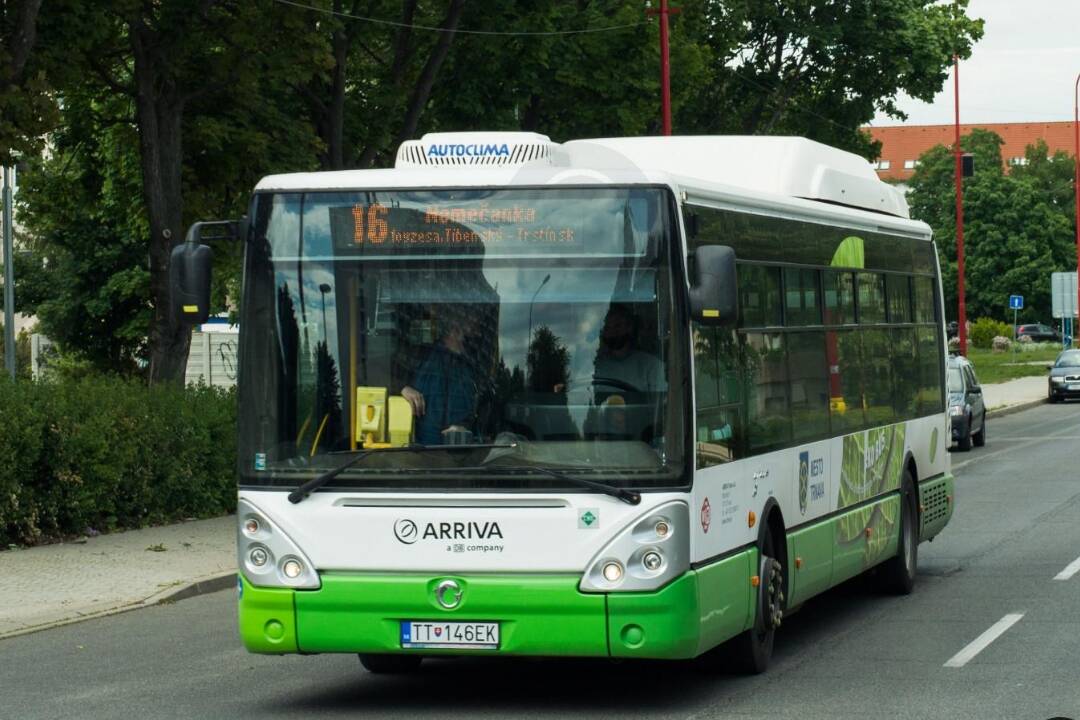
(374,217)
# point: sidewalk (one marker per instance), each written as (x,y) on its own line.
(1014,395)
(57,584)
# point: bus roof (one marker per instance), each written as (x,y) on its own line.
(782,167)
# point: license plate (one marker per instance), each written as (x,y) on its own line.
(1074,386)
(450,635)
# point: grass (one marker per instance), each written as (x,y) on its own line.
(996,367)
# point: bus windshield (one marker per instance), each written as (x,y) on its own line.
(539,318)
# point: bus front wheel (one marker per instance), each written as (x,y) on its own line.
(390,664)
(753,649)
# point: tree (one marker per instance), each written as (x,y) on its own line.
(170,65)
(27,109)
(85,223)
(1017,228)
(821,69)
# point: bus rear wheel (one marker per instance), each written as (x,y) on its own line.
(753,649)
(898,573)
(390,664)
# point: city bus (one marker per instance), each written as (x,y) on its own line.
(612,398)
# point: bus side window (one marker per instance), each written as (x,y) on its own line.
(716,396)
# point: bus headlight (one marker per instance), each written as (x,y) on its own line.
(267,556)
(649,553)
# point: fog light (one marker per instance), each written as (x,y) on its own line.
(652,561)
(292,568)
(258,557)
(251,526)
(662,529)
(613,572)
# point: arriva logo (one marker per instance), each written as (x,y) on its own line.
(405,531)
(470,150)
(408,532)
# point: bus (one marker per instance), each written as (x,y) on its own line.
(613,398)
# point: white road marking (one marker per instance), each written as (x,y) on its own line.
(1070,570)
(979,644)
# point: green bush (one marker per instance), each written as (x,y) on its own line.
(106,454)
(984,330)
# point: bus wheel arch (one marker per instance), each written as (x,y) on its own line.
(753,648)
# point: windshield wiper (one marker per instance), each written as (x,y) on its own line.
(317,482)
(627,496)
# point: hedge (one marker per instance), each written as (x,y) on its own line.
(100,454)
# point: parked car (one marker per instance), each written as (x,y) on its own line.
(1064,380)
(1038,333)
(966,407)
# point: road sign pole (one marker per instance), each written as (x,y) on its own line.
(1016,340)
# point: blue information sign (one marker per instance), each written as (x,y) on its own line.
(1016,302)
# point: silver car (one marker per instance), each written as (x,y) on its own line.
(1064,380)
(966,407)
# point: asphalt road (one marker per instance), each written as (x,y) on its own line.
(848,653)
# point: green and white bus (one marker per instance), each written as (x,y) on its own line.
(627,398)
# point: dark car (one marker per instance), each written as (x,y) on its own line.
(1064,380)
(1038,333)
(966,408)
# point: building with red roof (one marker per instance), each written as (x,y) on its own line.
(901,145)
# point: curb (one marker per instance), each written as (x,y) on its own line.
(204,586)
(1019,407)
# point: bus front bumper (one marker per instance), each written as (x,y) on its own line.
(537,615)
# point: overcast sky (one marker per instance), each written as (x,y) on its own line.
(1023,69)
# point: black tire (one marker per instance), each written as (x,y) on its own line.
(753,649)
(964,443)
(1051,397)
(980,437)
(390,664)
(897,574)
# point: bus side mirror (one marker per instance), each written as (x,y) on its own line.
(713,293)
(190,270)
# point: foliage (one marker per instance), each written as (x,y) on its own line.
(22,353)
(805,67)
(985,329)
(106,454)
(1000,343)
(171,111)
(1018,227)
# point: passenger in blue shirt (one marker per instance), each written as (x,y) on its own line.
(443,390)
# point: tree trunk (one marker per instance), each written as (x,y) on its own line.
(159,110)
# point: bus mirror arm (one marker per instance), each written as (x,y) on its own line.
(713,292)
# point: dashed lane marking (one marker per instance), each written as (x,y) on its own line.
(1070,570)
(980,643)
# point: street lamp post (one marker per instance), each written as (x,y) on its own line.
(1076,189)
(962,314)
(9,280)
(323,289)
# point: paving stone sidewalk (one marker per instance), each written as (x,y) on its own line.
(56,584)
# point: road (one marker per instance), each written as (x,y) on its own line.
(848,653)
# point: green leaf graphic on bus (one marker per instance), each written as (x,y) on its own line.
(871,465)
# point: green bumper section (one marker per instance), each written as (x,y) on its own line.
(267,618)
(538,614)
